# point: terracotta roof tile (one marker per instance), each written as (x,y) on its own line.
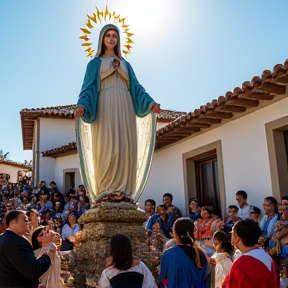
(260,92)
(67,149)
(16,164)
(167,116)
(28,116)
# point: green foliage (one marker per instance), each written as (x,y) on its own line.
(4,156)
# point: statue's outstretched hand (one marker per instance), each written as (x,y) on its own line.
(155,108)
(80,111)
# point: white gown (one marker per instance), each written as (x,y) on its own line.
(114,162)
(51,278)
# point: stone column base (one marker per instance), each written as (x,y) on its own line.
(99,225)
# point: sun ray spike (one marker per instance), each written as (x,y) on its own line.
(86,31)
(84,37)
(106,12)
(127,46)
(98,13)
(86,44)
(129,41)
(122,20)
(93,18)
(116,16)
(90,54)
(88,24)
(88,49)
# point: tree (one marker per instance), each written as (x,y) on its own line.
(4,156)
(26,162)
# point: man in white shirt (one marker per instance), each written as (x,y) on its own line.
(244,207)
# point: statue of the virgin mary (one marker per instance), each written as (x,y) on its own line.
(116,123)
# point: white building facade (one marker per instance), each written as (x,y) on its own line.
(13,172)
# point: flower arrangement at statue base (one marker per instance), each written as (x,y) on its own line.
(115,197)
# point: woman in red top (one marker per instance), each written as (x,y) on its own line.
(203,224)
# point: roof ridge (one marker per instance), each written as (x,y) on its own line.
(3,161)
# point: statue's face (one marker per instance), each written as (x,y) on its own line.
(111,39)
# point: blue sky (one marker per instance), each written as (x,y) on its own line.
(186,52)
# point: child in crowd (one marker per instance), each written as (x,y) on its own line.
(157,238)
(194,209)
(255,214)
(232,219)
(221,258)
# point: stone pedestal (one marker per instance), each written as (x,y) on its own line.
(99,225)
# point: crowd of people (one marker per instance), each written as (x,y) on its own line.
(214,236)
(46,206)
(211,244)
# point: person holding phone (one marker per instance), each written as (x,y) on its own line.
(43,240)
(18,265)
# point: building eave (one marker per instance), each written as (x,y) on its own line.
(16,164)
(28,117)
(260,92)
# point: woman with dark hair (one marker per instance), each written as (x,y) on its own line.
(122,270)
(109,141)
(41,240)
(203,224)
(268,222)
(69,231)
(183,265)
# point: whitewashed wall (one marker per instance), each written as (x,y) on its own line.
(245,159)
(12,171)
(66,162)
(54,132)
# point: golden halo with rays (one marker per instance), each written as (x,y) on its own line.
(98,17)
